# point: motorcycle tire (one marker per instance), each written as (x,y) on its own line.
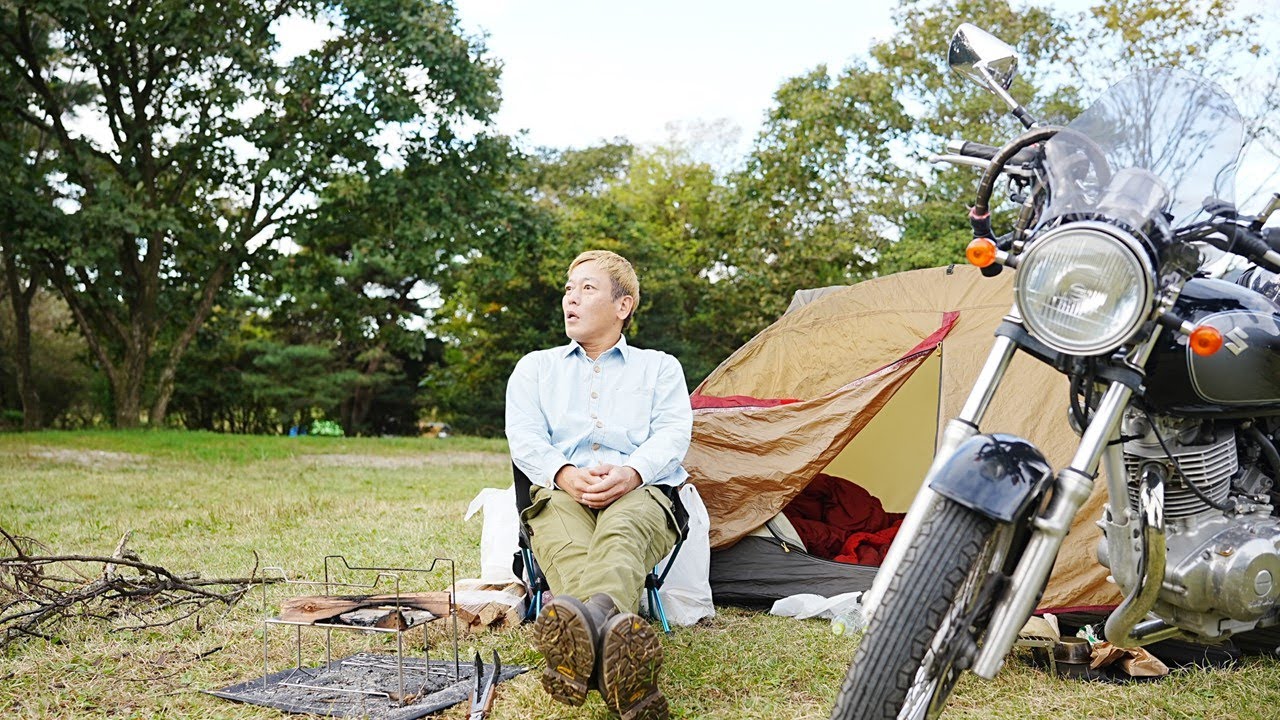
(939,575)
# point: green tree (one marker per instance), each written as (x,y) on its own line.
(500,304)
(803,211)
(1065,60)
(926,207)
(61,377)
(373,258)
(294,379)
(674,228)
(31,216)
(660,208)
(503,300)
(210,392)
(1213,38)
(209,141)
(27,202)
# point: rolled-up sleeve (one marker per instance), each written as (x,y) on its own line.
(528,432)
(672,425)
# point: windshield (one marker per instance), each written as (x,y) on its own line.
(1161,141)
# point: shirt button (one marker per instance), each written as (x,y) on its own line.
(595,395)
(596,368)
(593,416)
(599,424)
(595,446)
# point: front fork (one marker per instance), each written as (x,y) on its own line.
(1072,487)
(956,432)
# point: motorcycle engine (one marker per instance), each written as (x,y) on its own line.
(1222,548)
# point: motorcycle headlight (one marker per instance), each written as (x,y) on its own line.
(1084,288)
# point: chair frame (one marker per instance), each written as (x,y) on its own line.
(526,565)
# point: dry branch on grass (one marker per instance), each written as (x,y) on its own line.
(38,591)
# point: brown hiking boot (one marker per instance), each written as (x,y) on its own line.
(630,658)
(567,637)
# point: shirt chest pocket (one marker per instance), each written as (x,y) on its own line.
(639,392)
(632,410)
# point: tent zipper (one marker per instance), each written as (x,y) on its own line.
(787,547)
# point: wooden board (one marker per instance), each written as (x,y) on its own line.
(313,608)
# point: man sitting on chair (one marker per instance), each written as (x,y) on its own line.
(598,426)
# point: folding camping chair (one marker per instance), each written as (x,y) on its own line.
(526,565)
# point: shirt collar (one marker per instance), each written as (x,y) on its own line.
(622,347)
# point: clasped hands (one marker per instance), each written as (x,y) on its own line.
(599,486)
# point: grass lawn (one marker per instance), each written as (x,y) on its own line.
(206,503)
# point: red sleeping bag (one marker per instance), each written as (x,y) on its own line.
(841,521)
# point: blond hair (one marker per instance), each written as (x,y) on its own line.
(621,276)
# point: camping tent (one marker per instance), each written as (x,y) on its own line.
(856,382)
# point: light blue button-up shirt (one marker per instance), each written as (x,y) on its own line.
(628,407)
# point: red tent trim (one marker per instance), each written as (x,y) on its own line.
(735,402)
(746,402)
(1089,609)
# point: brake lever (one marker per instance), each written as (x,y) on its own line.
(979,163)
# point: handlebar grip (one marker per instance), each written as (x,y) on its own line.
(1245,243)
(1272,237)
(987,152)
(1254,246)
(973,149)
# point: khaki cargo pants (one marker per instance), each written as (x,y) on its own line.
(583,551)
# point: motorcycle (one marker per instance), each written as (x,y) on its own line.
(1122,245)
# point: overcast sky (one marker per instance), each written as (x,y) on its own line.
(578,71)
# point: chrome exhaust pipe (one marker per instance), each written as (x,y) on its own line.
(1151,564)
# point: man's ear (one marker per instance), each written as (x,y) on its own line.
(625,304)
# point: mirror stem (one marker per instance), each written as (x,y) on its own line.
(1025,117)
(1018,111)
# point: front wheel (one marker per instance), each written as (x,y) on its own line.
(929,621)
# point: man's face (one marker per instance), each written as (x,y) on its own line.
(591,315)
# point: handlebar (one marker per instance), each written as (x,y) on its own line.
(1260,247)
(1271,236)
(987,152)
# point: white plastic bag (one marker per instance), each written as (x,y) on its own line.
(806,605)
(500,536)
(686,592)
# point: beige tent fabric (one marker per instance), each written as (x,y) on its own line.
(806,296)
(758,456)
(842,356)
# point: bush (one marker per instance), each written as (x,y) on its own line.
(326,428)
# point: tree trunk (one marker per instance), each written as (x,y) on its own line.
(32,411)
(164,387)
(20,302)
(362,398)
(126,387)
(130,382)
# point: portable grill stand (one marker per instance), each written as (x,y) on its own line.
(392,574)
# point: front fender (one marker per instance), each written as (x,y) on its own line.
(998,476)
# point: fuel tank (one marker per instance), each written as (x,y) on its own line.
(1242,379)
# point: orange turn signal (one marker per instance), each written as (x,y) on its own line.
(981,252)
(1205,340)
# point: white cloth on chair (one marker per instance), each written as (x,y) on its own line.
(686,592)
(500,535)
